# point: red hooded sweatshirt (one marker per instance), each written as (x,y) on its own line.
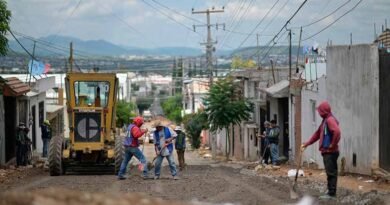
(333,126)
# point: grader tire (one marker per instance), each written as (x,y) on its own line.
(119,152)
(55,156)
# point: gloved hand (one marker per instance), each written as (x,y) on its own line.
(303,147)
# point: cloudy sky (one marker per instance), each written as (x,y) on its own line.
(160,23)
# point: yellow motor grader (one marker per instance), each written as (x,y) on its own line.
(92,144)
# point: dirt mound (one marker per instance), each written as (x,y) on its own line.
(55,196)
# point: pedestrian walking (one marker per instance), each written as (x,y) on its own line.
(21,145)
(131,143)
(265,143)
(180,146)
(328,134)
(46,136)
(163,138)
(273,139)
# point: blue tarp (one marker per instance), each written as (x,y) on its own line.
(36,67)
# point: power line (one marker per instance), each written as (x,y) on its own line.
(338,8)
(178,13)
(17,40)
(326,27)
(168,16)
(52,45)
(273,18)
(232,21)
(63,23)
(258,24)
(283,27)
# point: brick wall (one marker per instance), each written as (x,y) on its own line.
(298,125)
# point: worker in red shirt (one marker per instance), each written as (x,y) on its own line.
(328,135)
(131,143)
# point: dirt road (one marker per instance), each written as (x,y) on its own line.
(202,181)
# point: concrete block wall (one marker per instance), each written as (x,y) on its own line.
(353,92)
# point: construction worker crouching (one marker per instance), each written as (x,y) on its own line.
(163,138)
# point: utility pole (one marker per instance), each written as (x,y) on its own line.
(71,57)
(289,54)
(209,44)
(258,53)
(33,57)
(299,48)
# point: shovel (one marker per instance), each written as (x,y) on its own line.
(151,164)
(294,189)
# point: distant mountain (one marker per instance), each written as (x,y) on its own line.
(59,46)
(96,47)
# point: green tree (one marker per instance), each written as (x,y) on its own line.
(194,124)
(124,111)
(5,18)
(144,103)
(134,87)
(225,106)
(172,108)
(238,63)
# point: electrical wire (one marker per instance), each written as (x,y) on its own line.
(334,11)
(168,16)
(258,24)
(178,13)
(231,22)
(21,45)
(283,27)
(329,25)
(63,23)
(52,45)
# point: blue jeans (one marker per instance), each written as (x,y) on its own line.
(171,162)
(274,153)
(46,142)
(129,153)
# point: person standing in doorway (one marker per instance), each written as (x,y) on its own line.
(46,136)
(131,143)
(180,146)
(328,135)
(265,143)
(21,144)
(273,139)
(163,138)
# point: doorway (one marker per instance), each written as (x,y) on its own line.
(34,122)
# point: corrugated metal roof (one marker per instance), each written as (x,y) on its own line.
(12,86)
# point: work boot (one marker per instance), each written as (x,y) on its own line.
(176,177)
(327,197)
(146,177)
(156,177)
(121,178)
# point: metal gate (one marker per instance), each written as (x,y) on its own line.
(384,110)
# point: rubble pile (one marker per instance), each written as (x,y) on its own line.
(55,196)
(13,172)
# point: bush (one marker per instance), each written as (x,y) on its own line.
(124,110)
(172,108)
(144,103)
(194,124)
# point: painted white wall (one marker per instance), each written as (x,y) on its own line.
(353,92)
(313,93)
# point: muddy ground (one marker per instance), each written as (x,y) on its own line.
(203,181)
